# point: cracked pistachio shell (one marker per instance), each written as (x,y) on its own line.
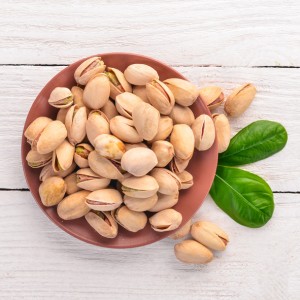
(63,156)
(183,141)
(48,171)
(182,232)
(71,182)
(109,110)
(140,204)
(138,161)
(192,252)
(81,154)
(166,220)
(73,206)
(37,160)
(182,115)
(140,187)
(103,223)
(52,191)
(164,202)
(204,132)
(212,96)
(124,129)
(146,119)
(90,181)
(160,96)
(51,137)
(88,69)
(126,102)
(61,114)
(178,165)
(131,146)
(210,235)
(140,74)
(96,92)
(186,179)
(165,127)
(239,100)
(77,96)
(96,124)
(61,97)
(164,152)
(104,199)
(222,131)
(131,220)
(109,146)
(104,167)
(140,91)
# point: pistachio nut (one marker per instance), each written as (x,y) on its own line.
(103,223)
(96,92)
(165,127)
(77,96)
(124,129)
(68,171)
(164,202)
(239,100)
(52,190)
(186,179)
(131,146)
(192,252)
(63,156)
(166,220)
(140,187)
(88,69)
(178,165)
(185,93)
(61,114)
(71,183)
(140,74)
(146,119)
(209,235)
(140,204)
(126,102)
(131,220)
(81,155)
(182,232)
(109,110)
(183,141)
(118,83)
(73,206)
(138,161)
(212,96)
(222,131)
(204,132)
(37,160)
(160,96)
(61,97)
(88,180)
(164,152)
(182,115)
(48,171)
(140,91)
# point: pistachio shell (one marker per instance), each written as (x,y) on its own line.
(126,102)
(140,74)
(131,146)
(71,183)
(37,160)
(140,204)
(164,202)
(164,152)
(64,173)
(212,96)
(89,180)
(109,110)
(77,95)
(140,91)
(61,115)
(186,179)
(48,171)
(81,154)
(222,131)
(182,232)
(63,156)
(178,165)
(61,97)
(166,220)
(165,127)
(182,115)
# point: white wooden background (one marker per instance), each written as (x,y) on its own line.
(223,42)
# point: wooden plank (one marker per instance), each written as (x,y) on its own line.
(38,260)
(178,32)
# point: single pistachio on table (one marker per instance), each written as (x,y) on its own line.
(37,160)
(88,180)
(186,179)
(61,97)
(166,220)
(164,152)
(81,155)
(126,102)
(164,202)
(48,171)
(165,127)
(71,182)
(131,146)
(140,204)
(140,74)
(182,115)
(77,96)
(182,232)
(140,91)
(63,156)
(109,110)
(222,131)
(212,96)
(178,165)
(61,114)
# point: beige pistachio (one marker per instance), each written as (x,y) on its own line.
(212,96)
(186,179)
(81,155)
(182,115)
(140,91)
(109,110)
(222,131)
(61,114)
(166,220)
(73,206)
(239,100)
(164,202)
(165,127)
(192,252)
(88,180)
(71,182)
(185,93)
(88,69)
(37,160)
(140,204)
(126,102)
(178,165)
(131,146)
(209,235)
(103,223)
(61,97)
(77,96)
(48,171)
(204,132)
(182,232)
(63,156)
(140,74)
(164,152)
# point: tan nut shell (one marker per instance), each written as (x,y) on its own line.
(52,191)
(178,165)
(63,156)
(81,161)
(48,171)
(77,95)
(164,152)
(182,115)
(126,102)
(90,181)
(61,97)
(140,204)
(182,232)
(212,96)
(186,179)
(164,202)
(165,127)
(37,160)
(61,114)
(71,182)
(166,220)
(131,146)
(222,131)
(140,74)
(140,91)
(109,110)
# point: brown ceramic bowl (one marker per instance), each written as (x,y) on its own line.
(202,166)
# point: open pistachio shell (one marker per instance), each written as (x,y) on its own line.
(37,160)
(140,74)
(63,156)
(186,179)
(126,102)
(140,91)
(88,180)
(182,115)
(77,96)
(212,96)
(109,110)
(71,182)
(164,202)
(61,114)
(165,127)
(61,97)
(222,131)
(48,171)
(166,220)
(182,232)
(81,154)
(140,204)
(164,152)
(178,165)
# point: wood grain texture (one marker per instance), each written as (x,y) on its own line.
(228,33)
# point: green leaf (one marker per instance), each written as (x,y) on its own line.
(244,196)
(257,141)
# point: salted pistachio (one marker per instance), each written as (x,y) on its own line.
(182,115)
(131,220)
(104,167)
(138,161)
(109,110)
(240,99)
(88,180)
(169,183)
(166,220)
(178,165)
(204,132)
(160,96)
(104,200)
(96,92)
(118,83)
(124,129)
(131,146)
(88,69)
(61,114)
(212,96)
(164,152)
(140,187)
(77,95)
(185,93)
(37,160)
(210,235)
(81,155)
(103,223)
(140,74)
(126,102)
(52,191)
(61,97)
(164,202)
(48,171)
(186,179)
(183,141)
(71,183)
(222,131)
(165,127)
(182,232)
(140,204)
(192,252)
(96,124)
(63,156)
(140,91)
(73,206)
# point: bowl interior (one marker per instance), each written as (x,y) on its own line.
(202,166)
